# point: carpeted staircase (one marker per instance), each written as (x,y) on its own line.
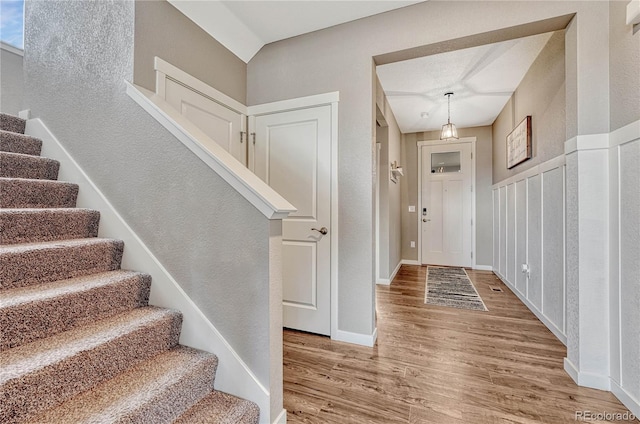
(78,341)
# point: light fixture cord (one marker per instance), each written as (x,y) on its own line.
(448,108)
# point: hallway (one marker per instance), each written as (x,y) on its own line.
(438,365)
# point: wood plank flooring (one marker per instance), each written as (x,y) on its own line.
(436,364)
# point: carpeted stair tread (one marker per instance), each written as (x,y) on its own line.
(43,374)
(18,165)
(155,391)
(20,143)
(42,224)
(12,123)
(36,263)
(30,193)
(36,312)
(221,408)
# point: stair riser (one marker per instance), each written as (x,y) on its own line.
(58,263)
(47,225)
(37,194)
(25,166)
(24,323)
(12,123)
(18,143)
(48,387)
(175,400)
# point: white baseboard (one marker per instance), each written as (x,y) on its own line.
(383,281)
(395,271)
(483,267)
(410,262)
(368,340)
(542,317)
(627,400)
(571,370)
(586,379)
(233,375)
(24,114)
(281,418)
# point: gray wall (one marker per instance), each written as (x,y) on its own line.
(205,234)
(11,82)
(390,138)
(624,63)
(484,207)
(340,59)
(541,94)
(162,30)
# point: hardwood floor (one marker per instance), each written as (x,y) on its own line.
(441,365)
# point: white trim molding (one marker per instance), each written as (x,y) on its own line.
(368,340)
(410,262)
(11,49)
(594,381)
(627,400)
(257,192)
(281,418)
(294,104)
(233,374)
(633,12)
(483,267)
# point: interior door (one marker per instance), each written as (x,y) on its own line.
(292,153)
(446,202)
(221,123)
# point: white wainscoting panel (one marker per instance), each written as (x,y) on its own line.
(534,240)
(503,231)
(627,340)
(511,234)
(529,212)
(521,235)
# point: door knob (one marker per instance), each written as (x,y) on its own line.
(425,220)
(322,230)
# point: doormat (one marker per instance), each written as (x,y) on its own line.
(451,287)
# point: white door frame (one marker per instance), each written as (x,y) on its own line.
(430,143)
(332,100)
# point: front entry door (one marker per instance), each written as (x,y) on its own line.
(292,153)
(446,204)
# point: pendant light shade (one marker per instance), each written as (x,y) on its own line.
(449,130)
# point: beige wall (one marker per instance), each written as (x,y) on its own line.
(484,205)
(162,30)
(541,94)
(624,67)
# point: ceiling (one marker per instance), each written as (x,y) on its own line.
(244,26)
(481,78)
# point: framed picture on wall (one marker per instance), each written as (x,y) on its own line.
(519,143)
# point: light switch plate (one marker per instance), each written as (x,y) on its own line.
(412,208)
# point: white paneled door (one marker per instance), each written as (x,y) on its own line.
(446,204)
(221,123)
(292,153)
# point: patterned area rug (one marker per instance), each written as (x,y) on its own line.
(451,287)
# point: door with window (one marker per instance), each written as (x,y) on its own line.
(446,204)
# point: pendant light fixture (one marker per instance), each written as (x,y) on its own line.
(449,131)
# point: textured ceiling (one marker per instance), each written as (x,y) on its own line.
(482,79)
